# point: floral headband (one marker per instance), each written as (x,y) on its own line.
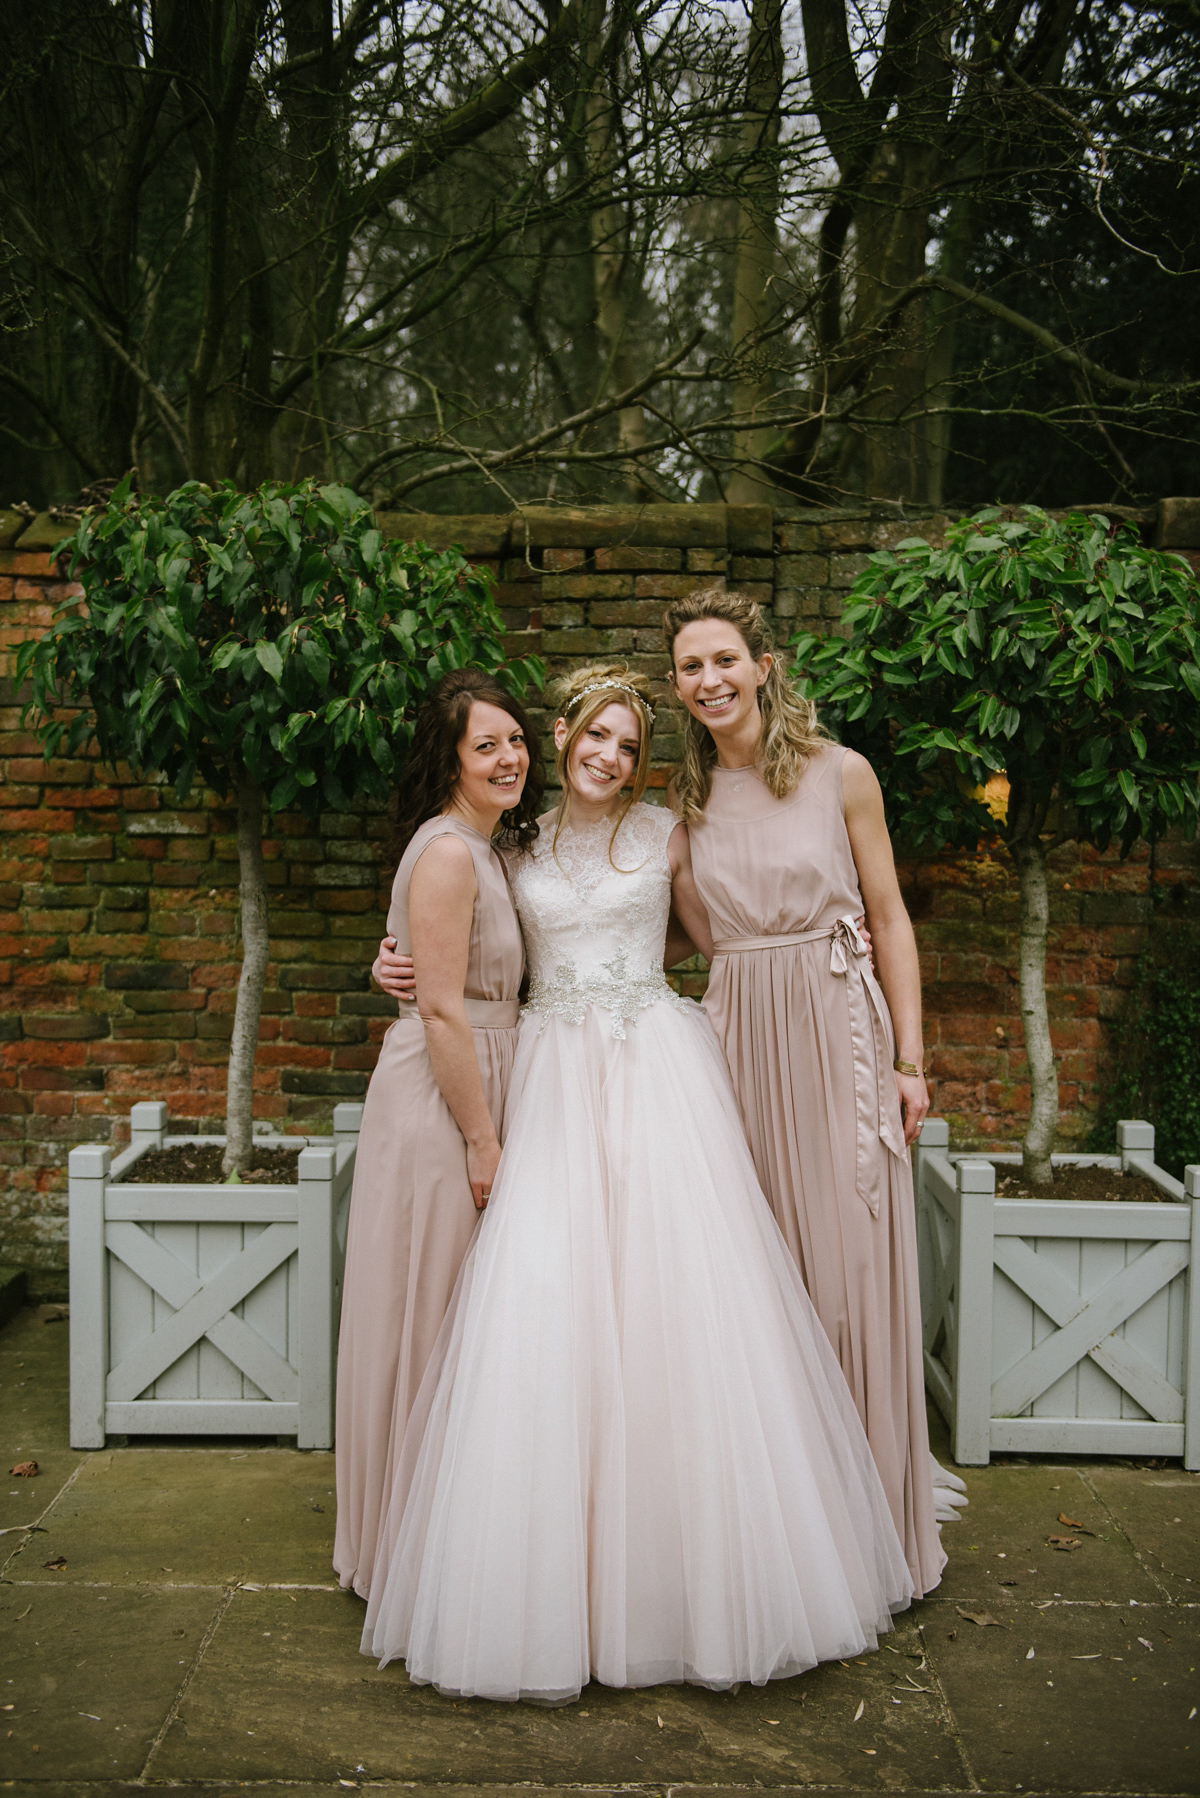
(605,686)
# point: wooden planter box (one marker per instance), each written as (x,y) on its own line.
(207,1310)
(1057,1326)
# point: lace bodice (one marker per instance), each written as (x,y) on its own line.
(594,933)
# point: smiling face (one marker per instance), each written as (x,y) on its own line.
(603,757)
(493,759)
(717,678)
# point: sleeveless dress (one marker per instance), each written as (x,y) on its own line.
(808,1038)
(411,1212)
(634,1458)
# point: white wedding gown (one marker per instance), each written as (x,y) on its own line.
(634,1457)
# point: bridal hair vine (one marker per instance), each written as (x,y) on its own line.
(604,686)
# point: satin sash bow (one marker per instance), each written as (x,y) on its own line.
(877,1111)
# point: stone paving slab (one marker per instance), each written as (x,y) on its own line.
(282,1685)
(35,1381)
(195,1639)
(1092,1710)
(1005,1536)
(213,1516)
(1159,1509)
(91,1676)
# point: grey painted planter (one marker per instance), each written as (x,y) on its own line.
(207,1310)
(1059,1326)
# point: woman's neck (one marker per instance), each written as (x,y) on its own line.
(739,747)
(582,811)
(483,820)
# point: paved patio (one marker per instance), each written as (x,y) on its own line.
(174,1622)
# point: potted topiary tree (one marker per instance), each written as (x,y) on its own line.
(273,645)
(1064,656)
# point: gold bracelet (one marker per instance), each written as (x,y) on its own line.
(907,1067)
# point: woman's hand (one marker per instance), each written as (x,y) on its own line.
(914,1103)
(865,934)
(394,973)
(482,1161)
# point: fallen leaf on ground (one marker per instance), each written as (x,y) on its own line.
(1064,1544)
(983,1618)
(1087,1657)
(1073,1524)
(24,1613)
(25,1470)
(867,1751)
(773,1721)
(862,1705)
(1031,1654)
(1146,1644)
(56,1565)
(659,1721)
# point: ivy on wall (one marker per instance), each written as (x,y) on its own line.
(1154,1071)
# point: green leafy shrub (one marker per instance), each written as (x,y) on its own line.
(272,644)
(1061,653)
(273,634)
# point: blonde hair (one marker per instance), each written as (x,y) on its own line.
(583,695)
(790,731)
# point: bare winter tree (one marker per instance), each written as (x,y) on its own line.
(462,257)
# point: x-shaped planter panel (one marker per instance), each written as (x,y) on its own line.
(1086,1325)
(203,1308)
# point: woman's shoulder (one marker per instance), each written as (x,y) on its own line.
(652,823)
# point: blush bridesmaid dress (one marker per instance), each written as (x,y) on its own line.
(412,1217)
(808,1038)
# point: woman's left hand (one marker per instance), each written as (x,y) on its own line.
(914,1104)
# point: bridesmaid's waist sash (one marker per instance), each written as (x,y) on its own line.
(739,945)
(871,1041)
(482,1014)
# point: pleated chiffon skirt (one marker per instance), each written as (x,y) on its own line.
(810,1097)
(412,1220)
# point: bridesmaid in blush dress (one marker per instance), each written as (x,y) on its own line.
(787,842)
(434,1112)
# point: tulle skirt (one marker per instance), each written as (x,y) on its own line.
(633,1457)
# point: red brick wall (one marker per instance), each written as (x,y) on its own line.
(118,953)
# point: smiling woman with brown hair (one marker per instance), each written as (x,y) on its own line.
(430,1139)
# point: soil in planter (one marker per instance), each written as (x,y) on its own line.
(199,1164)
(1083,1183)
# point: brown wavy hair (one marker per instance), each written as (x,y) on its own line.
(790,730)
(432,767)
(578,707)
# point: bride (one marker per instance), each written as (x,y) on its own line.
(634,1457)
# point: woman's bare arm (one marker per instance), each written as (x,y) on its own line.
(895,946)
(689,915)
(441,903)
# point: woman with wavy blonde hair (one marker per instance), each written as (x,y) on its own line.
(788,843)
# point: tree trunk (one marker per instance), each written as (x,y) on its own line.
(754,301)
(1030,858)
(615,274)
(252,897)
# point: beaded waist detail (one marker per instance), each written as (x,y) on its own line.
(570,995)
